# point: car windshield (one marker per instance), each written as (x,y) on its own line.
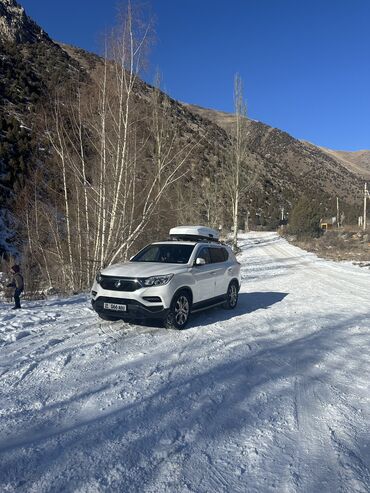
(165,253)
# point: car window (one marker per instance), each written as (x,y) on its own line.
(217,255)
(204,253)
(225,254)
(164,253)
(150,254)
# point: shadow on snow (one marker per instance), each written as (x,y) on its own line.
(247,303)
(196,405)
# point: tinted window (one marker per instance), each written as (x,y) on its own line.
(204,253)
(217,255)
(168,254)
(225,254)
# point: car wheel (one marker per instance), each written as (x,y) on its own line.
(109,318)
(179,312)
(231,296)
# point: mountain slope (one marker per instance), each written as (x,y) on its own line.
(356,161)
(17,27)
(33,68)
(305,166)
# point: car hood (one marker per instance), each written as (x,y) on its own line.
(143,269)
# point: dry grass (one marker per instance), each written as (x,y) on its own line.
(344,244)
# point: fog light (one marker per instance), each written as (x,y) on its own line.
(152,299)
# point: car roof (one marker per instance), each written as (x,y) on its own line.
(183,242)
(169,242)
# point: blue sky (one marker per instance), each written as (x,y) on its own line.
(305,64)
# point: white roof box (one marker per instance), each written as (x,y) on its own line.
(194,233)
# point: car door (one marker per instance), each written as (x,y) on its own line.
(218,259)
(204,277)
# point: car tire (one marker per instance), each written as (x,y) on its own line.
(179,312)
(231,296)
(108,318)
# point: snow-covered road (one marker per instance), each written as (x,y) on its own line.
(274,396)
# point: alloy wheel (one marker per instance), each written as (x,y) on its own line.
(181,310)
(233,295)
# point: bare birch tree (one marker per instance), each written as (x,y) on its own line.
(116,155)
(236,175)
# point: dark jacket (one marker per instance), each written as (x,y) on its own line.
(17,281)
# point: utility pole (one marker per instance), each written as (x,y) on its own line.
(366,194)
(338,219)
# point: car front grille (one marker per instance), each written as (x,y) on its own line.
(119,283)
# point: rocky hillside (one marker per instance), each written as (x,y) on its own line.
(33,68)
(17,27)
(297,166)
(357,162)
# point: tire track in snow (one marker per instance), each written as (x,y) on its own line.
(354,470)
(312,438)
(332,274)
(199,396)
(339,412)
(28,371)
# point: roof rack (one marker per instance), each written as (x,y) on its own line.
(194,233)
(193,238)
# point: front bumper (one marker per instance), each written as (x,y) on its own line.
(135,309)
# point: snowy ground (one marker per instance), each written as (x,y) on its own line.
(274,396)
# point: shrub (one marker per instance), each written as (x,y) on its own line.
(305,218)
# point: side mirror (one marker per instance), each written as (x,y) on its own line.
(200,261)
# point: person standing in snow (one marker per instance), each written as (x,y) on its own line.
(18,284)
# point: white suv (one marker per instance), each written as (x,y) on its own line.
(168,280)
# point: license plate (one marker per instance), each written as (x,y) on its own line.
(115,307)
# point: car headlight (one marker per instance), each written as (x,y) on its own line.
(98,277)
(157,280)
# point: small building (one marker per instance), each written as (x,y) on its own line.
(327,223)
